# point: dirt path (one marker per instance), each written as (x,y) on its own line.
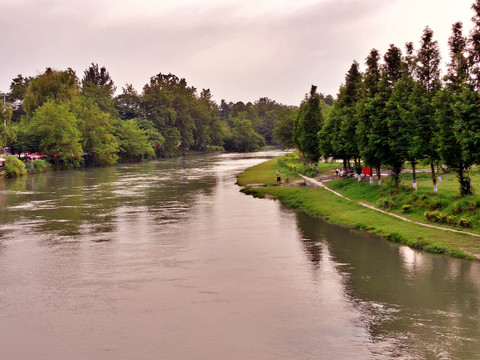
(316,183)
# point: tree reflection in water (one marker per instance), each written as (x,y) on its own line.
(414,304)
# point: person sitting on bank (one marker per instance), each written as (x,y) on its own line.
(287,180)
(279,179)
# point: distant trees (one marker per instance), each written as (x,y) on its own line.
(306,126)
(53,85)
(99,86)
(55,109)
(55,132)
(283,130)
(96,131)
(242,137)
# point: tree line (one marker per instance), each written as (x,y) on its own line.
(82,120)
(402,110)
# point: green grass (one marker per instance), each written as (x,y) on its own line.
(294,163)
(265,173)
(450,210)
(320,202)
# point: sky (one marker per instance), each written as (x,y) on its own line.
(240,49)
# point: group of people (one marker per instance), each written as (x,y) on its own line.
(341,172)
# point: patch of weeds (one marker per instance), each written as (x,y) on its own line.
(396,237)
(386,203)
(464,205)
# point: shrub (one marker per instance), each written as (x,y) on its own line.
(436,203)
(14,167)
(386,203)
(406,208)
(452,220)
(463,205)
(465,223)
(39,166)
(396,237)
(435,216)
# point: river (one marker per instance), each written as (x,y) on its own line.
(168,260)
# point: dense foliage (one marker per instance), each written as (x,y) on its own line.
(402,110)
(80,121)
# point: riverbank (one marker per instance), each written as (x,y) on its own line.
(41,166)
(335,209)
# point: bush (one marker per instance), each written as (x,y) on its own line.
(14,167)
(407,208)
(452,220)
(386,203)
(435,216)
(396,237)
(465,223)
(436,203)
(39,166)
(463,205)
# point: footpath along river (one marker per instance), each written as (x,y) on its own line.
(168,260)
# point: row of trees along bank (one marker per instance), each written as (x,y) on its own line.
(78,121)
(402,110)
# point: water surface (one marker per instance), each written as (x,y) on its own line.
(168,260)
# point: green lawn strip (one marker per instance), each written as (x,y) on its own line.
(447,205)
(320,202)
(265,173)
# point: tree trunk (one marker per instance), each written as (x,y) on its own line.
(396,176)
(434,179)
(465,182)
(345,164)
(414,175)
(379,175)
(371,175)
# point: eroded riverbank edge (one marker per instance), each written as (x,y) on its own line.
(321,203)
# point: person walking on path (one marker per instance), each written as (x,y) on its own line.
(279,179)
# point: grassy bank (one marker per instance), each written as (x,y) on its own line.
(320,202)
(446,209)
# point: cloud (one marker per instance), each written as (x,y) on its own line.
(241,50)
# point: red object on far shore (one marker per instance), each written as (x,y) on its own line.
(35,156)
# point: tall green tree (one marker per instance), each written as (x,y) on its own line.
(243,137)
(56,132)
(96,130)
(129,103)
(346,143)
(307,125)
(208,129)
(474,47)
(397,120)
(428,80)
(283,131)
(369,111)
(167,102)
(99,86)
(53,85)
(452,111)
(134,143)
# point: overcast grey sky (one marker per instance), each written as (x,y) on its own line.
(241,49)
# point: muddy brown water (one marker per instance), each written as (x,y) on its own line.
(168,260)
